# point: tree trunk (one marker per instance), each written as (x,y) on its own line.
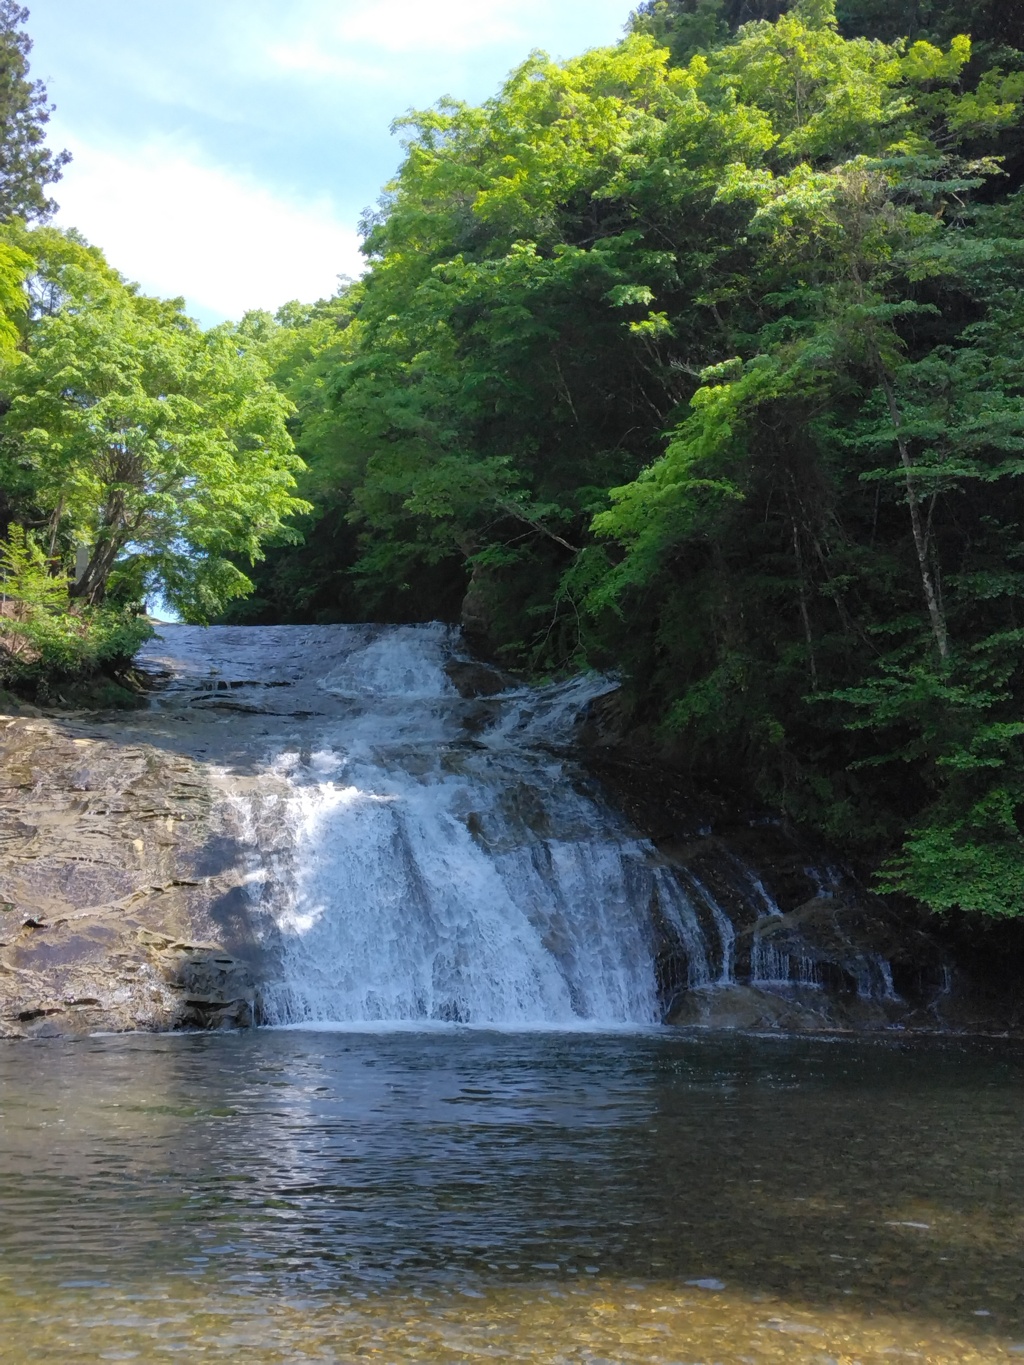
(805,614)
(91,588)
(928,584)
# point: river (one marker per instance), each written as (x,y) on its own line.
(452,1194)
(464,1133)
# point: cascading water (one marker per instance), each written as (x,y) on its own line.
(421,855)
(770,965)
(421,845)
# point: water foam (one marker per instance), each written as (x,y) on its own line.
(437,858)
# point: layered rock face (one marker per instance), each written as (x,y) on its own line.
(809,947)
(112,912)
(306,819)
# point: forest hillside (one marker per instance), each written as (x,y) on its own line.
(697,358)
(700,358)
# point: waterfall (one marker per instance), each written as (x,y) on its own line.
(420,845)
(417,854)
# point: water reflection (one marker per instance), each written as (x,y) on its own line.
(464,1195)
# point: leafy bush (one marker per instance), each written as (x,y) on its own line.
(45,641)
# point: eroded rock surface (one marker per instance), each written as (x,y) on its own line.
(160,869)
(812,949)
(116,889)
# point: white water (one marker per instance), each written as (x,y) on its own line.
(415,855)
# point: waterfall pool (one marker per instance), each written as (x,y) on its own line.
(454,1194)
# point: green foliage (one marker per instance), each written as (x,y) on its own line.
(27,165)
(161,447)
(46,642)
(125,430)
(25,576)
(15,267)
(701,357)
(689,26)
(48,651)
(881,335)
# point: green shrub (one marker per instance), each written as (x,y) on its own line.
(48,643)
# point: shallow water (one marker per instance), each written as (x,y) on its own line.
(460,1195)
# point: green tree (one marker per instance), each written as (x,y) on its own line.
(27,165)
(161,447)
(879,337)
(688,26)
(15,268)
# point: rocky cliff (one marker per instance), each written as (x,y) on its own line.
(115,887)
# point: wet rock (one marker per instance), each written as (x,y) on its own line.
(811,948)
(472,679)
(217,988)
(759,1009)
(107,893)
(605,722)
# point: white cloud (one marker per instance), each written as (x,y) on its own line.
(335,39)
(307,58)
(443,25)
(180,225)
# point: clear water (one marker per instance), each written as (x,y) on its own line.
(463,1195)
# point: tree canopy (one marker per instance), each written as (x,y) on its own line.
(161,448)
(705,364)
(139,454)
(688,26)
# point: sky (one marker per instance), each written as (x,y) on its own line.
(224,150)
